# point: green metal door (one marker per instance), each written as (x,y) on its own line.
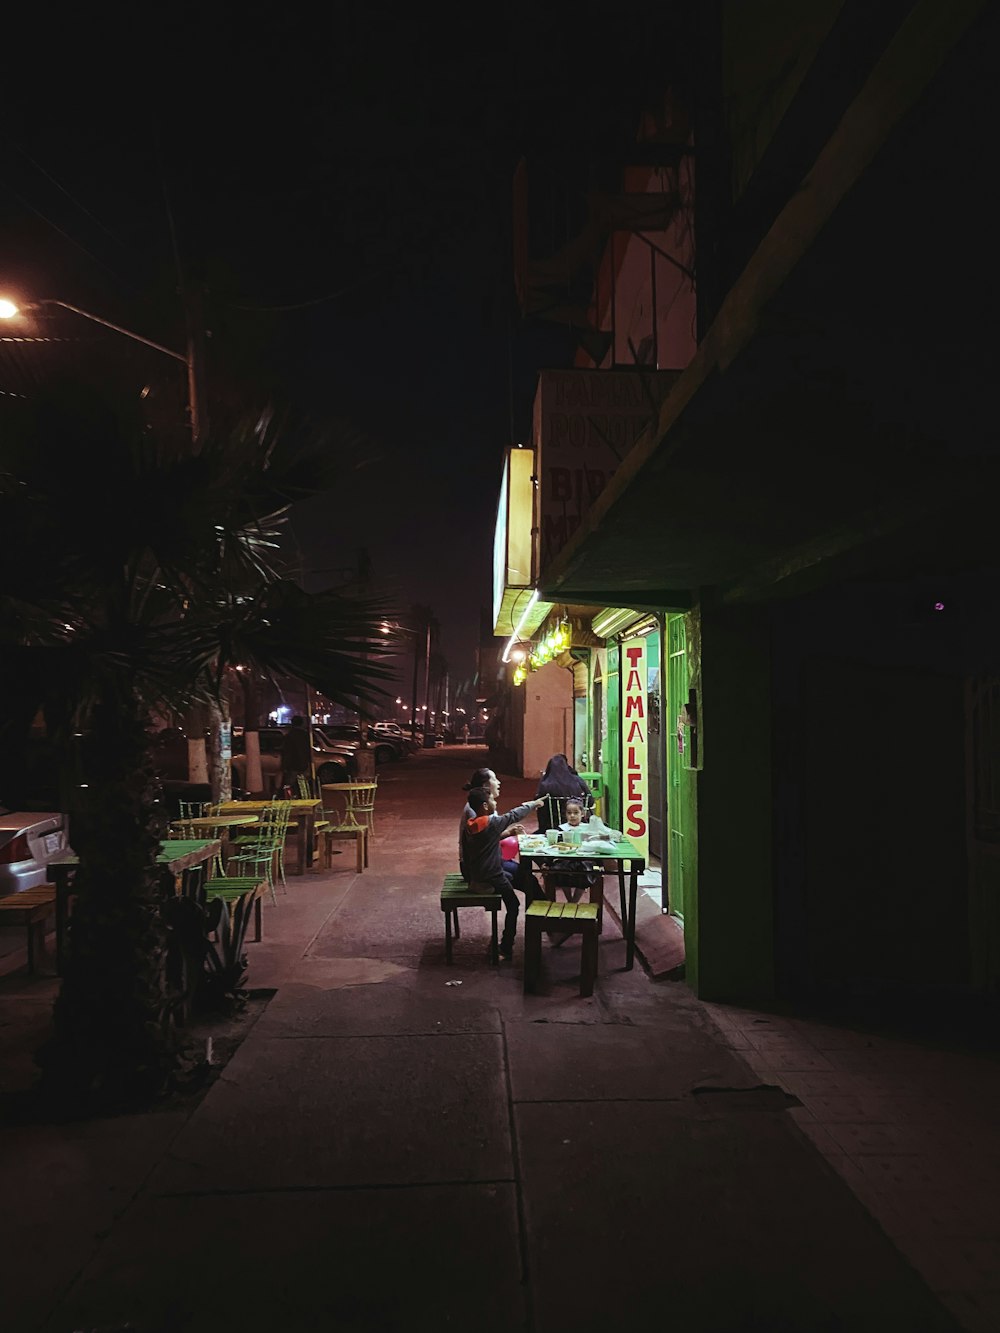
(678,774)
(611,765)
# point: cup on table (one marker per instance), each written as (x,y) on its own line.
(552,836)
(573,837)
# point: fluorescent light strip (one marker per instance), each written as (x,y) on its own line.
(520,624)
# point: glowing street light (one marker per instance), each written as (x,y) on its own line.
(10,310)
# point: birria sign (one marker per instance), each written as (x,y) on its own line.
(635,769)
(585,423)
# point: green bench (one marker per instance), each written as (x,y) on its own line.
(456,893)
(30,909)
(547,917)
(231,888)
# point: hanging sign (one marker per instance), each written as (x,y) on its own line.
(635,751)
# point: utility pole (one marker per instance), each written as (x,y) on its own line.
(413,714)
(427,680)
(195,321)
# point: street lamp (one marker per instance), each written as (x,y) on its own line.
(10,310)
(387,628)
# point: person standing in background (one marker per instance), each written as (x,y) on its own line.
(296,758)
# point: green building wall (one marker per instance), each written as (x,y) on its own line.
(729,932)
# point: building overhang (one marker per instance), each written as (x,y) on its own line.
(794,438)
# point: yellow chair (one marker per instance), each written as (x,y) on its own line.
(345,816)
(364,804)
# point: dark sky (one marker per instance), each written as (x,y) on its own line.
(341,183)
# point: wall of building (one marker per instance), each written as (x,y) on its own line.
(728,922)
(548,717)
(767,49)
(871,795)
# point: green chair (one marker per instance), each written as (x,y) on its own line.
(264,853)
(193,809)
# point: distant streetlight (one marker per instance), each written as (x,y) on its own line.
(387,627)
(9,310)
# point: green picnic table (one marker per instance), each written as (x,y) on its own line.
(176,855)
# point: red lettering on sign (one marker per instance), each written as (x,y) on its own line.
(632,761)
(634,705)
(634,676)
(634,785)
(635,732)
(634,822)
(633,655)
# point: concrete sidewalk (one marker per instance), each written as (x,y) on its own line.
(387,1151)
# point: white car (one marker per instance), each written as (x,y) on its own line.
(29,840)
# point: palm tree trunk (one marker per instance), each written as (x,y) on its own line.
(113,1043)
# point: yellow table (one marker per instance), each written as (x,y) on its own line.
(304,813)
(215,821)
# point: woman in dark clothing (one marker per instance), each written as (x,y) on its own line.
(561,781)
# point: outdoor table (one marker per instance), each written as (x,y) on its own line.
(304,814)
(209,823)
(214,821)
(176,855)
(536,850)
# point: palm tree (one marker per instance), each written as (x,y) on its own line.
(131,577)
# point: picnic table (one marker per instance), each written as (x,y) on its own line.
(612,857)
(176,856)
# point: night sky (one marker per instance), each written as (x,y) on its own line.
(341,185)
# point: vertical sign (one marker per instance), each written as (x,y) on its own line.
(634,731)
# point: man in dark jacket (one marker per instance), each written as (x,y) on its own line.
(481,859)
(296,758)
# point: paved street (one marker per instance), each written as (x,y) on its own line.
(388,1151)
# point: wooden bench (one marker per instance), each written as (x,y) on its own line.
(30,909)
(457,892)
(232,887)
(566,919)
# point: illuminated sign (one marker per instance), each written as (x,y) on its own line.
(635,769)
(585,422)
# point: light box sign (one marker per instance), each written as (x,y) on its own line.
(585,423)
(635,747)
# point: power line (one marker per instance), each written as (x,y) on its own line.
(66,236)
(302,305)
(73,199)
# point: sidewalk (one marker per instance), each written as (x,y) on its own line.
(385,1151)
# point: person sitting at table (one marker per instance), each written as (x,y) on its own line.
(582,876)
(480,855)
(521,877)
(560,782)
(482,777)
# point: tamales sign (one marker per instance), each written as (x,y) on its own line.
(635,750)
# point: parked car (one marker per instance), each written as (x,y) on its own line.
(386,748)
(29,840)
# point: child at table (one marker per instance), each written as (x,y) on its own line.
(586,876)
(481,854)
